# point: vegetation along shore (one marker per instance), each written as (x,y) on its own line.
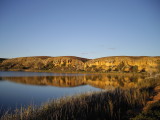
(136,103)
(140,102)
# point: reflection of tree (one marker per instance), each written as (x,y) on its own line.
(133,79)
(1,78)
(121,83)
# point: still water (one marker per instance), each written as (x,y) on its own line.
(26,88)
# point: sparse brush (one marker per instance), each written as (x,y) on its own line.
(115,104)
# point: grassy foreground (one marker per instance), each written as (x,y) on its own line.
(118,104)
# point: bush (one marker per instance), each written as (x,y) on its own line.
(134,68)
(48,66)
(158,65)
(152,113)
(120,66)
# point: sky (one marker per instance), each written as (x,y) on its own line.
(83,28)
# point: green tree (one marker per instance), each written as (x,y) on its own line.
(134,68)
(120,66)
(158,65)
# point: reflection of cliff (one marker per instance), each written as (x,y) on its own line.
(73,64)
(59,81)
(99,81)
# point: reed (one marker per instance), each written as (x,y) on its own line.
(118,104)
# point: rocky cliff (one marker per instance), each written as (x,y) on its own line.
(73,64)
(2,59)
(124,63)
(65,63)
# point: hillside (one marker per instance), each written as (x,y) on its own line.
(65,63)
(125,64)
(2,59)
(77,64)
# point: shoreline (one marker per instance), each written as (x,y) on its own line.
(100,105)
(77,72)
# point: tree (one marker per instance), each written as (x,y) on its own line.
(134,68)
(158,65)
(120,66)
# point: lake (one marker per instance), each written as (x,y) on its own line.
(27,88)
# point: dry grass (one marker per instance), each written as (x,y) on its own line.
(111,105)
(117,104)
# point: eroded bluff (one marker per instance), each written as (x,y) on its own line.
(65,63)
(124,63)
(73,64)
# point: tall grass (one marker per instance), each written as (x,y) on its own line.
(118,104)
(112,105)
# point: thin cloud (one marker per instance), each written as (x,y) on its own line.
(87,53)
(92,52)
(84,53)
(111,48)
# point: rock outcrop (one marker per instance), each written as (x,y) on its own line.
(65,63)
(73,64)
(2,59)
(124,63)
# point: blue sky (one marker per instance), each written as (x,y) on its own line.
(84,28)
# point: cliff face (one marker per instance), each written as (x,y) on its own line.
(71,63)
(124,63)
(2,59)
(44,63)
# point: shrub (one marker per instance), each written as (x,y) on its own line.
(50,65)
(134,68)
(152,113)
(158,65)
(120,66)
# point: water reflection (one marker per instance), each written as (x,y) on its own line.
(102,81)
(41,87)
